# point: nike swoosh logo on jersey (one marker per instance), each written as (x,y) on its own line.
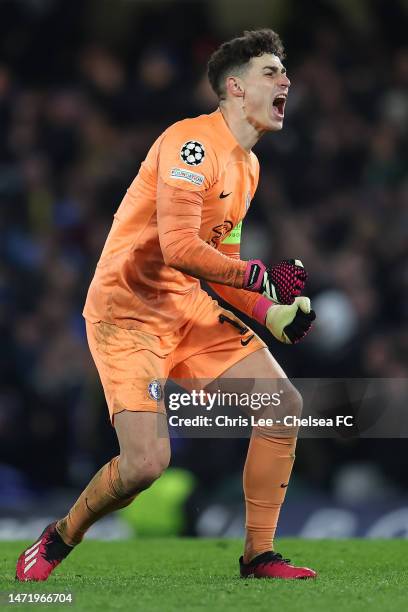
(224,195)
(283,485)
(247,341)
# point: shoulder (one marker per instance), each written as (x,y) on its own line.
(187,153)
(202,124)
(194,137)
(254,160)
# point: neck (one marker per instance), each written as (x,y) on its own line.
(243,130)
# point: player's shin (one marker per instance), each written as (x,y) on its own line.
(266,476)
(104,494)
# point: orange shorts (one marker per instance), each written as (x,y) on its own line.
(133,364)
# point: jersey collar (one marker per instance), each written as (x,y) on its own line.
(225,133)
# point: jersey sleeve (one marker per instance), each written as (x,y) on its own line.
(187,158)
(178,224)
(245,301)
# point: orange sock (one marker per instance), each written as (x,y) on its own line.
(104,494)
(266,475)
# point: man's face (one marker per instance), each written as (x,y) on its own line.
(266,87)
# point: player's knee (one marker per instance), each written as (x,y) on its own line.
(149,473)
(142,475)
(140,471)
(290,404)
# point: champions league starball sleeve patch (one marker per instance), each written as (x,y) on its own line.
(192,153)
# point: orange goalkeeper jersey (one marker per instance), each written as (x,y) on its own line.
(191,191)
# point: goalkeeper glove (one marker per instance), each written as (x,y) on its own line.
(289,324)
(281,283)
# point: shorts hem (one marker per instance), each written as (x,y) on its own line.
(141,408)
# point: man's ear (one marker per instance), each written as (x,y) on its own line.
(235,87)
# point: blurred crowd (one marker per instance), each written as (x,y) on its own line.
(77,116)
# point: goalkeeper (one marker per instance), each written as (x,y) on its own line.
(148,319)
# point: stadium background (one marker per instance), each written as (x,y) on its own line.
(85,88)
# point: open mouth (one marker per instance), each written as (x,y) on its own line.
(279,105)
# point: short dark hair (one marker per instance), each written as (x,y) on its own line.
(236,53)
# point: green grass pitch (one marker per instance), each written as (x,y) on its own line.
(190,574)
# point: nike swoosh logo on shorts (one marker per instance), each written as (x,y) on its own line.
(247,341)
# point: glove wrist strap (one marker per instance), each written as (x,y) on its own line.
(261,307)
(253,276)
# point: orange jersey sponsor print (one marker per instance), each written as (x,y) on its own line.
(193,188)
